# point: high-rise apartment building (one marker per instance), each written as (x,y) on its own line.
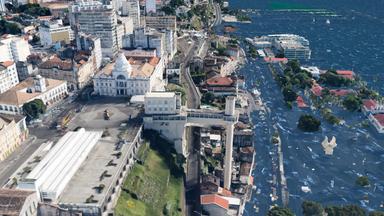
(8,76)
(54,32)
(150,6)
(131,8)
(100,20)
(14,48)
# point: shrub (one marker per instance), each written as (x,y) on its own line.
(308,123)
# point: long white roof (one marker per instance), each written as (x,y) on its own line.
(56,169)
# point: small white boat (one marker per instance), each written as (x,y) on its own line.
(255,92)
(305,189)
(328,22)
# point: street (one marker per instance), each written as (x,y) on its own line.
(192,178)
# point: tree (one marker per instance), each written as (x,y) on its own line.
(376,213)
(362,181)
(294,65)
(352,102)
(348,210)
(208,98)
(331,78)
(289,94)
(34,108)
(311,208)
(308,123)
(278,211)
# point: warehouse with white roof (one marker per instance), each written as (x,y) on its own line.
(52,174)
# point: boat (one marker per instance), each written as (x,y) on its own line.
(328,146)
(255,92)
(328,22)
(305,189)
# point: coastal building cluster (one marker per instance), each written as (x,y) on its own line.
(289,46)
(80,82)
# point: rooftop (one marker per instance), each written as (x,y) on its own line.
(135,67)
(7,63)
(219,81)
(12,201)
(56,169)
(6,119)
(18,95)
(348,74)
(160,94)
(380,118)
(369,104)
(100,168)
(215,200)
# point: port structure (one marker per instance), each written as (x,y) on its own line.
(172,127)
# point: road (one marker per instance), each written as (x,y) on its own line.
(192,186)
(218,16)
(38,134)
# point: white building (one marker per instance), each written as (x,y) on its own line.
(2,6)
(162,103)
(92,17)
(90,42)
(145,38)
(14,48)
(134,77)
(49,91)
(164,41)
(131,8)
(55,170)
(8,76)
(150,6)
(54,32)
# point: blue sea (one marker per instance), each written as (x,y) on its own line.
(354,40)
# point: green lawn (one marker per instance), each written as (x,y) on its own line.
(156,189)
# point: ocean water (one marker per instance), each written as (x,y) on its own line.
(354,40)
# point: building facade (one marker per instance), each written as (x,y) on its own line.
(18,202)
(128,78)
(88,42)
(162,103)
(50,91)
(100,20)
(78,72)
(131,8)
(150,6)
(13,131)
(14,48)
(8,76)
(25,70)
(161,22)
(55,32)
(145,38)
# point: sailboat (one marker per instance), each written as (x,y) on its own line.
(328,146)
(328,22)
(313,20)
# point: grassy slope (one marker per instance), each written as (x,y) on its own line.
(153,185)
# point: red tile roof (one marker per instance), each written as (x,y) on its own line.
(341,92)
(272,59)
(348,74)
(300,102)
(225,192)
(7,63)
(380,118)
(369,104)
(56,62)
(316,89)
(214,199)
(219,81)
